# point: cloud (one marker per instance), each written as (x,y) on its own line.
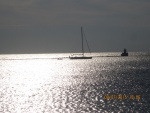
(112,22)
(75,12)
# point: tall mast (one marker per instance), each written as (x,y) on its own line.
(82,41)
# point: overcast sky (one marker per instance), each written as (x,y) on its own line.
(48,26)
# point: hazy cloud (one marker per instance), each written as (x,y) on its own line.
(121,20)
(51,12)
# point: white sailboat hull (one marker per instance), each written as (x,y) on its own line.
(82,57)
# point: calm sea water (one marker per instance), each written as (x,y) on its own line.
(41,83)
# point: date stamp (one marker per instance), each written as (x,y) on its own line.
(121,97)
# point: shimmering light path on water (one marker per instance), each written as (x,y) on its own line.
(74,86)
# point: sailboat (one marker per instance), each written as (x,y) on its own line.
(82,56)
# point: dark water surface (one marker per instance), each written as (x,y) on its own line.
(40,84)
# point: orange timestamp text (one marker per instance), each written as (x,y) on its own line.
(121,97)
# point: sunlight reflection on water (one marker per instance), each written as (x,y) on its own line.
(73,86)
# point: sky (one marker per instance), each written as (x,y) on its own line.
(53,26)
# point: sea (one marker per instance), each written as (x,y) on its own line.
(53,83)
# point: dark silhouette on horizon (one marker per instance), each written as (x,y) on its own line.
(82,55)
(125,53)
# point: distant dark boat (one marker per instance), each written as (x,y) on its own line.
(125,53)
(59,58)
(81,56)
